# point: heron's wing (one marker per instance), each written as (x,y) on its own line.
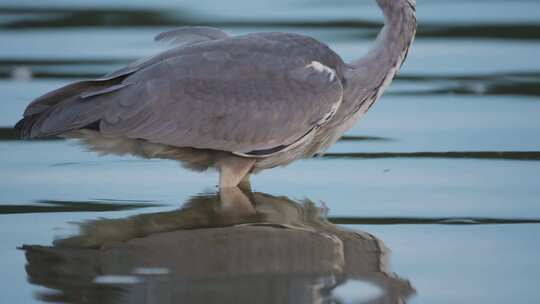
(236,95)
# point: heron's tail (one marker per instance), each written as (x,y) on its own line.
(67,103)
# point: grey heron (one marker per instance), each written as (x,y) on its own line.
(240,104)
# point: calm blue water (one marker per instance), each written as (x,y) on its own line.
(434,197)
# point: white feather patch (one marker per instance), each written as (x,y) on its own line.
(321,68)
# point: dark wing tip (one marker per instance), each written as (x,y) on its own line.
(21,126)
(24,126)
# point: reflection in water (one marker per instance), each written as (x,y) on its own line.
(236,247)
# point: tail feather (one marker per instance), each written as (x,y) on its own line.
(32,126)
(39,116)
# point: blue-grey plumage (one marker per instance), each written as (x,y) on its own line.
(240,104)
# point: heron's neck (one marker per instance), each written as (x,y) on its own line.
(392,44)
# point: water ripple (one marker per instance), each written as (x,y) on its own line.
(49,206)
(494,155)
(430,220)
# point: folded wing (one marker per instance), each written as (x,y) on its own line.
(238,94)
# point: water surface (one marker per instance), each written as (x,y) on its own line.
(432,198)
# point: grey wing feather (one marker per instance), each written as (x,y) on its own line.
(191,34)
(236,95)
(92,93)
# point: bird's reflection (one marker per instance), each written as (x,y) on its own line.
(233,247)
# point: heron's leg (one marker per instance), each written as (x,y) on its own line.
(232,169)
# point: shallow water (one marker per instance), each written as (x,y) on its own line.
(432,198)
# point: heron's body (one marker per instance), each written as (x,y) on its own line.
(241,104)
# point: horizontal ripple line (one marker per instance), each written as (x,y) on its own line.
(7,133)
(514,84)
(159,17)
(497,155)
(430,221)
(72,206)
(13,134)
